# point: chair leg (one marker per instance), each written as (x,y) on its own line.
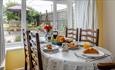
(25,65)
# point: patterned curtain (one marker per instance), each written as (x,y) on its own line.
(86,14)
(2,45)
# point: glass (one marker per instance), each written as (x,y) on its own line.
(49,38)
(65,46)
(86,45)
(55,34)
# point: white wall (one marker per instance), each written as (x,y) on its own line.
(109,25)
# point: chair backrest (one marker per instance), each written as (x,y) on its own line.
(106,66)
(26,50)
(34,45)
(89,35)
(72,33)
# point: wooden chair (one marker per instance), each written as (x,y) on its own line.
(106,66)
(89,35)
(72,33)
(26,50)
(35,51)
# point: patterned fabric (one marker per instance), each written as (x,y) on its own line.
(53,64)
(68,61)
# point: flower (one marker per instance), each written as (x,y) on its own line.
(47,27)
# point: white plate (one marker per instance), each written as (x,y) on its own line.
(73,40)
(93,55)
(53,48)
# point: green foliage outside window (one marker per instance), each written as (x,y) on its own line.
(32,15)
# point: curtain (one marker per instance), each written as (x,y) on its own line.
(86,14)
(2,45)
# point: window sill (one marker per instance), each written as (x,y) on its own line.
(2,67)
(13,46)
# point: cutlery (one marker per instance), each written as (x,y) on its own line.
(82,57)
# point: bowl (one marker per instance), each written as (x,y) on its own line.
(57,43)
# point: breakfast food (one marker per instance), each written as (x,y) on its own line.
(60,39)
(67,40)
(72,45)
(86,45)
(90,51)
(49,46)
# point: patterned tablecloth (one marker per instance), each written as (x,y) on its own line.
(69,61)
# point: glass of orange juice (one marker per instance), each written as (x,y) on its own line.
(86,45)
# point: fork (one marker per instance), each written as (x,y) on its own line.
(86,59)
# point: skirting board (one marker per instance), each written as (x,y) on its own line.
(1,68)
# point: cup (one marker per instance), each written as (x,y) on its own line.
(54,36)
(65,46)
(49,38)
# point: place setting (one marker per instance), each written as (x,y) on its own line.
(90,53)
(49,48)
(60,42)
(63,42)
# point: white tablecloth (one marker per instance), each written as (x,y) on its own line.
(68,61)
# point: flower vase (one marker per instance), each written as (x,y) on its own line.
(48,36)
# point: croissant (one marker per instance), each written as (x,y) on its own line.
(90,51)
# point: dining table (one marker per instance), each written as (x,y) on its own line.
(71,59)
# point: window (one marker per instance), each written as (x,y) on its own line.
(61,17)
(36,15)
(12,22)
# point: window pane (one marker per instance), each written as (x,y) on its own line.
(12,21)
(61,17)
(36,15)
